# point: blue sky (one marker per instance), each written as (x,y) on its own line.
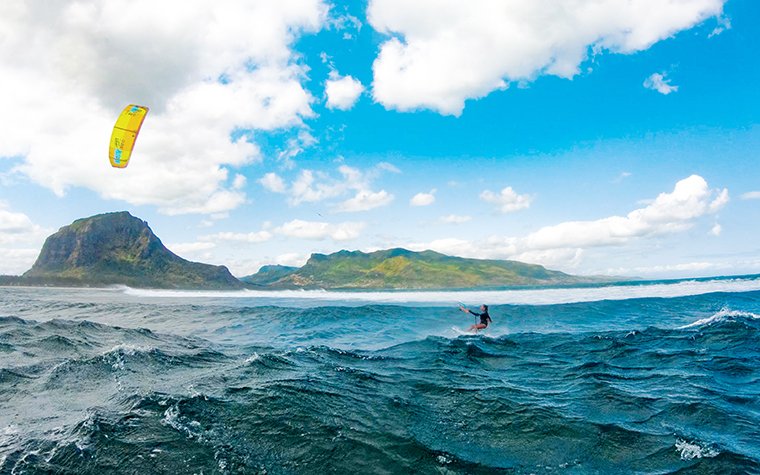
(591,137)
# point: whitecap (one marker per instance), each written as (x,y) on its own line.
(446,298)
(693,450)
(724,314)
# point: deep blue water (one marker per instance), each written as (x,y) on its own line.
(649,378)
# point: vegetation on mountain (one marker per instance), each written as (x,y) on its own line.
(118,248)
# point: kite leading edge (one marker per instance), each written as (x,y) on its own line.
(125,133)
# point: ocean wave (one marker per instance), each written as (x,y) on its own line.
(540,296)
(224,388)
(725,314)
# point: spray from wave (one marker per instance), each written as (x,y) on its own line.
(725,314)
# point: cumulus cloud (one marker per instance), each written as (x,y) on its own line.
(313,186)
(292,259)
(306,188)
(668,213)
(365,200)
(342,91)
(440,54)
(751,195)
(507,200)
(423,199)
(15,225)
(21,239)
(564,243)
(455,219)
(191,248)
(17,261)
(318,230)
(252,237)
(273,182)
(212,73)
(658,82)
(716,229)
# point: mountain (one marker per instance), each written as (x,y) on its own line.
(404,269)
(118,248)
(268,275)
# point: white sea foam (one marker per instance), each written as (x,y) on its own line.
(254,357)
(692,450)
(723,314)
(543,296)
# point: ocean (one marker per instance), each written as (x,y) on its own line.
(643,377)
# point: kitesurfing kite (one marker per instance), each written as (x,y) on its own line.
(125,133)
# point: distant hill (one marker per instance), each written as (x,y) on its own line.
(118,248)
(268,275)
(404,269)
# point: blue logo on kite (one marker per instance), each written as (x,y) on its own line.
(117,156)
(134,109)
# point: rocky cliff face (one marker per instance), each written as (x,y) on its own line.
(118,248)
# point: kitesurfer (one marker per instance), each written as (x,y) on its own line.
(485,318)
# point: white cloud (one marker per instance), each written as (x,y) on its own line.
(668,213)
(252,237)
(724,23)
(365,200)
(716,229)
(294,147)
(440,54)
(388,167)
(306,188)
(423,199)
(508,201)
(273,182)
(668,269)
(450,246)
(13,223)
(658,82)
(21,240)
(455,219)
(239,182)
(190,248)
(318,230)
(292,259)
(311,187)
(17,261)
(342,91)
(563,244)
(751,195)
(194,66)
(18,228)
(552,258)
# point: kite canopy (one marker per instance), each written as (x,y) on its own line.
(124,134)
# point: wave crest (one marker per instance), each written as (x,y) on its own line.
(725,314)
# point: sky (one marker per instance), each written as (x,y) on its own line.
(596,137)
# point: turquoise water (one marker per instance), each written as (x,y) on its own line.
(653,377)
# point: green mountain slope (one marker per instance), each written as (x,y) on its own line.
(117,248)
(268,275)
(403,269)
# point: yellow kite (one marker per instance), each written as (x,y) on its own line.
(125,133)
